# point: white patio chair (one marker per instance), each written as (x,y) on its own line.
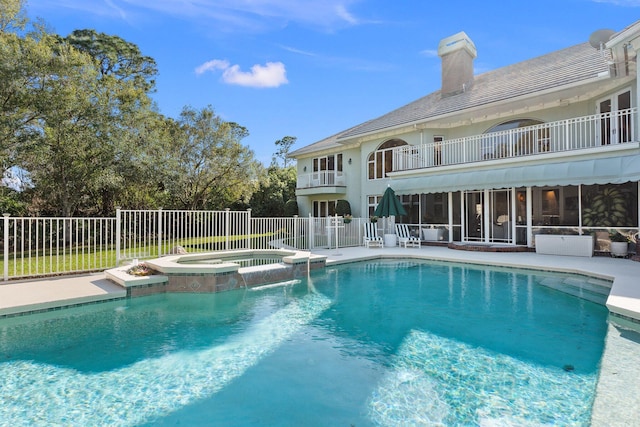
(371,237)
(405,238)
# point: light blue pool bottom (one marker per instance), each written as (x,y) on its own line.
(430,381)
(127,396)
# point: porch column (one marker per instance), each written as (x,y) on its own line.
(463,216)
(450,202)
(486,219)
(512,218)
(529,218)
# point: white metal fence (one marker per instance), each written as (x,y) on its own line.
(35,247)
(46,246)
(577,133)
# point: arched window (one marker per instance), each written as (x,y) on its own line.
(515,143)
(381,161)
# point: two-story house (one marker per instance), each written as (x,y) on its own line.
(548,145)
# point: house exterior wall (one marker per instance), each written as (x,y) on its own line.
(577,101)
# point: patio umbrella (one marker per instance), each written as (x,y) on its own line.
(389,206)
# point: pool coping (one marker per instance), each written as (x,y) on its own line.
(172,264)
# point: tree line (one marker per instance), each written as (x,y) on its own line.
(80,134)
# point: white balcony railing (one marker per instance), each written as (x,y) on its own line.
(322,179)
(578,133)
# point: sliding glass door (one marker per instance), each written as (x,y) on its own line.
(489,216)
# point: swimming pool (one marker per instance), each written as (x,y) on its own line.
(371,343)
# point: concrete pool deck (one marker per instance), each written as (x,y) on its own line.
(617,400)
(32,296)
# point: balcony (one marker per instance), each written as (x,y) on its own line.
(321,182)
(575,134)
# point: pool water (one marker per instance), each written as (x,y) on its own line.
(250,260)
(372,343)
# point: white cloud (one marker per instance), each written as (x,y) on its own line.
(298,51)
(216,64)
(343,13)
(272,74)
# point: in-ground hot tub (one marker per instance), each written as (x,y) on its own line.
(244,258)
(219,271)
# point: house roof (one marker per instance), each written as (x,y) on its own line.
(556,70)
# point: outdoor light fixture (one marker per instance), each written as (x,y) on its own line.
(349,161)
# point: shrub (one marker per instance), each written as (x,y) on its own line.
(291,208)
(343,208)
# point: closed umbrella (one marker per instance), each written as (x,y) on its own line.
(389,205)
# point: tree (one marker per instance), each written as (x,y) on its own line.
(12,15)
(126,79)
(24,60)
(117,58)
(210,168)
(279,187)
(274,191)
(64,159)
(284,145)
(90,115)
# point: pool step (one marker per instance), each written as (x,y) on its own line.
(590,289)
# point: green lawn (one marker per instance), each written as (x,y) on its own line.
(100,258)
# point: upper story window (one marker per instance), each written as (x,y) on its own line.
(380,162)
(328,163)
(327,170)
(519,143)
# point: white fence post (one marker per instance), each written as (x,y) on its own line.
(6,246)
(227,228)
(295,231)
(118,234)
(312,233)
(249,229)
(159,232)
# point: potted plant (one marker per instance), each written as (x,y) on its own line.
(140,270)
(373,219)
(619,244)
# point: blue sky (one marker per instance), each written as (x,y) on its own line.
(312,68)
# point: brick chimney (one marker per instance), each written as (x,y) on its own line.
(457,53)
